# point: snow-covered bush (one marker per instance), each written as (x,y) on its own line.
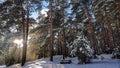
(2,60)
(116,52)
(10,55)
(81,48)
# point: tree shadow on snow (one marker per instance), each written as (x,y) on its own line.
(105,62)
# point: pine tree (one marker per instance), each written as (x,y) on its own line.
(81,48)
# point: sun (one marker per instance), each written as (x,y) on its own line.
(19,42)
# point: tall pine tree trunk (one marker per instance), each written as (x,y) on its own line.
(25,28)
(63,39)
(91,30)
(104,37)
(51,33)
(23,31)
(109,29)
(118,30)
(59,44)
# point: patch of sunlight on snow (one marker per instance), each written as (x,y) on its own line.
(33,66)
(3,66)
(36,67)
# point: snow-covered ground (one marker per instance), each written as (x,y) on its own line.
(107,62)
(3,66)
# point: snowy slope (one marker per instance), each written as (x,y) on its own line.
(3,66)
(97,64)
(107,62)
(45,63)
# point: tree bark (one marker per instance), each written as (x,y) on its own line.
(103,35)
(51,33)
(91,30)
(109,29)
(25,28)
(63,39)
(118,30)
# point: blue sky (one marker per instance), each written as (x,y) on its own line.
(35,14)
(2,1)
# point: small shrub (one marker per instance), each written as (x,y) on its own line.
(2,60)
